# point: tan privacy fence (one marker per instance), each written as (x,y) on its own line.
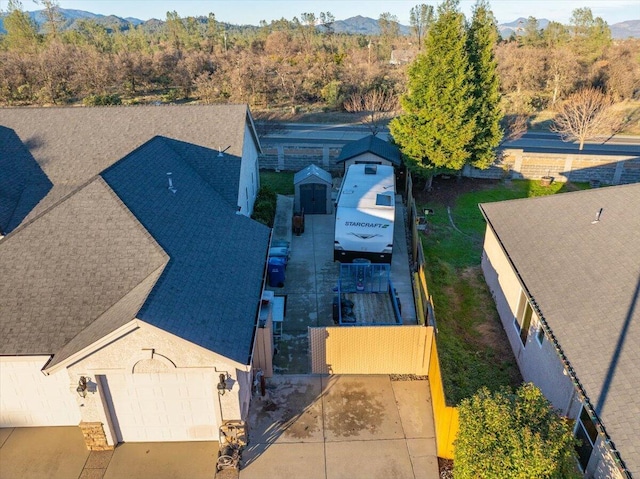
(370,349)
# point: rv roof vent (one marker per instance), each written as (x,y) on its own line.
(370,169)
(383,200)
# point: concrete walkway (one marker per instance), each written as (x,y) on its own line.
(60,453)
(351,427)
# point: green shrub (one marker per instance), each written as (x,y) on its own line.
(505,435)
(264,209)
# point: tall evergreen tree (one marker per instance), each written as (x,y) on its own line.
(481,41)
(22,32)
(437,125)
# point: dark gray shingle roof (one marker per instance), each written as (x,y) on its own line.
(22,182)
(66,268)
(72,145)
(585,279)
(372,144)
(209,291)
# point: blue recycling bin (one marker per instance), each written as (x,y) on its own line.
(275,270)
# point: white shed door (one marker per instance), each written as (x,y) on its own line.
(168,406)
(29,398)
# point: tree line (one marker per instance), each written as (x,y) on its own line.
(285,62)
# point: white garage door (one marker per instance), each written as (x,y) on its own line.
(171,406)
(29,398)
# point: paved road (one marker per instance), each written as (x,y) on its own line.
(338,135)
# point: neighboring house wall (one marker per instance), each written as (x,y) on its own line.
(538,363)
(249,182)
(149,350)
(602,465)
(29,398)
(538,360)
(367,157)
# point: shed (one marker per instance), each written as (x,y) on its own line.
(313,191)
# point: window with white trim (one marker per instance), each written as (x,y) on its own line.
(587,434)
(522,320)
(540,334)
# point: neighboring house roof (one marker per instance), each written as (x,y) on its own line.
(584,277)
(22,182)
(370,144)
(66,268)
(72,145)
(312,170)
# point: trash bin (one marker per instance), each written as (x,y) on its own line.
(275,270)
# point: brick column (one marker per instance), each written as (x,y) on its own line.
(94,437)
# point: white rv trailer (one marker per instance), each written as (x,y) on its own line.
(365,213)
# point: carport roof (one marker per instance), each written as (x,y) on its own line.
(371,144)
(584,276)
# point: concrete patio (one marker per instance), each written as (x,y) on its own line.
(337,427)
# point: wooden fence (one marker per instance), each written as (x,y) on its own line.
(445,417)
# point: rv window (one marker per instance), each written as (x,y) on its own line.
(370,169)
(383,200)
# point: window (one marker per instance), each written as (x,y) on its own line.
(522,321)
(540,334)
(587,434)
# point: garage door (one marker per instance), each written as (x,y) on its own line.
(171,406)
(29,398)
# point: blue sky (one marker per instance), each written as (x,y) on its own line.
(252,11)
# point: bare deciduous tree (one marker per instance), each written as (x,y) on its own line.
(376,104)
(584,115)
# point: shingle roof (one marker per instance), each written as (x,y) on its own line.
(585,278)
(72,145)
(312,170)
(22,182)
(220,170)
(66,268)
(372,144)
(209,292)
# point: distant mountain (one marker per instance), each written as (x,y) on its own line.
(72,18)
(517,26)
(358,25)
(628,29)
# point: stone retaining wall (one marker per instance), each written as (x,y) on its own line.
(513,163)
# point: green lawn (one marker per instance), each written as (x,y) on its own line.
(472,345)
(278,182)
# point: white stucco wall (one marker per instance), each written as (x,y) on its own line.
(249,180)
(601,465)
(539,364)
(150,343)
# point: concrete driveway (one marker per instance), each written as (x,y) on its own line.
(60,453)
(351,427)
